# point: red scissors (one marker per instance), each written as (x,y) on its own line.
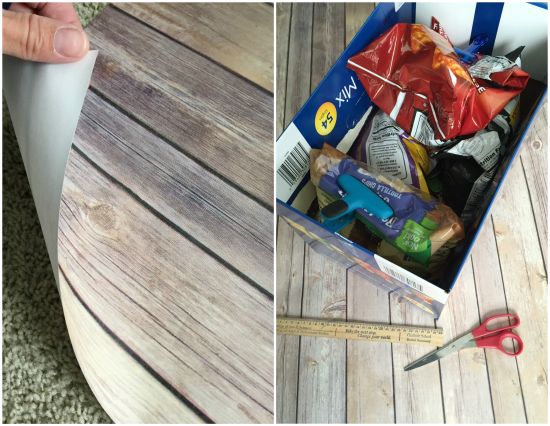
(468,341)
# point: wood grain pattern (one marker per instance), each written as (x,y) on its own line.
(299,59)
(237,35)
(284,11)
(526,288)
(322,375)
(216,215)
(506,273)
(464,377)
(356,16)
(290,281)
(219,119)
(101,357)
(166,229)
(534,159)
(413,388)
(175,312)
(328,39)
(369,364)
(507,398)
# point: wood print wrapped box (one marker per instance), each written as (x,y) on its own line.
(148,213)
(337,111)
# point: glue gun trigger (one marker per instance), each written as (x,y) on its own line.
(335,209)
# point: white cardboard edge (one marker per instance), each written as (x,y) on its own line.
(428,288)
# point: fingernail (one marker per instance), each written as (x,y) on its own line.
(69,42)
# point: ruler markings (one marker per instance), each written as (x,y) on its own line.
(360,331)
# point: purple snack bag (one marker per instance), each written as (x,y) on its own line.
(386,147)
(407,206)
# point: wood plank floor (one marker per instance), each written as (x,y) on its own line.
(325,380)
(166,225)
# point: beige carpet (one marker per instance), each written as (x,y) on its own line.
(41,379)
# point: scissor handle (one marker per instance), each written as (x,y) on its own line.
(482,331)
(495,342)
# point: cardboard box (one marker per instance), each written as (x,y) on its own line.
(508,25)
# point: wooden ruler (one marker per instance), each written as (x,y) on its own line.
(360,331)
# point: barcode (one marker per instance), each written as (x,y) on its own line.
(295,165)
(403,278)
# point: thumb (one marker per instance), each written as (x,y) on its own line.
(37,38)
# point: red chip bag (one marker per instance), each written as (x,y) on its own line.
(512,77)
(412,73)
(436,26)
(499,70)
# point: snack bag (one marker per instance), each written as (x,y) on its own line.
(384,145)
(501,71)
(432,272)
(504,71)
(419,225)
(458,178)
(436,26)
(413,74)
(469,166)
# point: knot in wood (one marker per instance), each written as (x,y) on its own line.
(479,358)
(111,68)
(103,217)
(334,309)
(311,362)
(536,144)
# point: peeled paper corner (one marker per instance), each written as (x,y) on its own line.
(44,101)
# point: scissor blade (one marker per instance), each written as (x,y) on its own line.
(440,353)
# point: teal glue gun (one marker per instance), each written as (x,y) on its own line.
(342,212)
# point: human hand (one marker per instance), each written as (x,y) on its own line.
(43,32)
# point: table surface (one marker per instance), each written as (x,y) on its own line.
(330,380)
(166,225)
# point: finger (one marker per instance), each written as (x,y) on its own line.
(61,11)
(36,38)
(23,7)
